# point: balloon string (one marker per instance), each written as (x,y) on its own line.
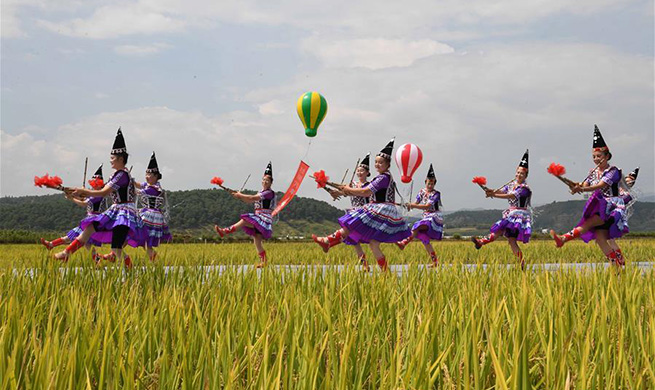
(304,158)
(411,190)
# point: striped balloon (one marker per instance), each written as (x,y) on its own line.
(312,108)
(408,159)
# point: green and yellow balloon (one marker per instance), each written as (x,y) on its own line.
(312,108)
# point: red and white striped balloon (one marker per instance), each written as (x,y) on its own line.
(408,159)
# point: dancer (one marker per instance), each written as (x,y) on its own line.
(258,225)
(604,216)
(356,202)
(153,199)
(376,222)
(94,206)
(430,226)
(516,223)
(120,222)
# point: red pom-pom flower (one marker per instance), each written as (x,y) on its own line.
(321,179)
(480,180)
(556,169)
(217,180)
(96,183)
(48,181)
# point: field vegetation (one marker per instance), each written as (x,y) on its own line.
(75,326)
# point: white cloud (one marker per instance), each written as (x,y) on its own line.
(274,107)
(191,147)
(368,18)
(10,21)
(471,114)
(373,53)
(117,20)
(141,50)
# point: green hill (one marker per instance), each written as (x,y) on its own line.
(195,212)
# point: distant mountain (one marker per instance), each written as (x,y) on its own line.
(195,212)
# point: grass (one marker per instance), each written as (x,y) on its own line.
(452,251)
(185,329)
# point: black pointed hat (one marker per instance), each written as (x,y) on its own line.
(269,170)
(634,173)
(431,175)
(366,161)
(119,143)
(599,142)
(152,165)
(386,152)
(98,174)
(524,160)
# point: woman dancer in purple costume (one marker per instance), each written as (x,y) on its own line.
(94,206)
(376,222)
(516,223)
(153,199)
(356,202)
(120,221)
(430,226)
(604,215)
(258,225)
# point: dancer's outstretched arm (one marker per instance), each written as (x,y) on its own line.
(499,194)
(246,198)
(77,201)
(104,191)
(363,192)
(587,188)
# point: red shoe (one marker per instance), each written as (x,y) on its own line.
(324,245)
(46,244)
(477,242)
(558,240)
(110,257)
(620,261)
(219,231)
(70,249)
(401,245)
(95,256)
(382,263)
(128,262)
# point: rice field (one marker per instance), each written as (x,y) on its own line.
(498,328)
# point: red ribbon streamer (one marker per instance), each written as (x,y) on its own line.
(293,187)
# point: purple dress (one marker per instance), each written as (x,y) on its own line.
(516,221)
(153,200)
(432,218)
(261,219)
(606,203)
(356,202)
(121,213)
(94,206)
(380,220)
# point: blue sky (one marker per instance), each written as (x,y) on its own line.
(211,86)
